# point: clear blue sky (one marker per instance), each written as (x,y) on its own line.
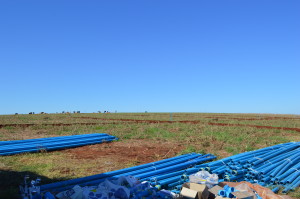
(150,55)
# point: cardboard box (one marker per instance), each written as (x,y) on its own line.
(220,197)
(222,184)
(213,192)
(194,191)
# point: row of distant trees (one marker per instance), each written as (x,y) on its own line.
(63,112)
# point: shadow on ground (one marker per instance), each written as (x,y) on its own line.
(10,181)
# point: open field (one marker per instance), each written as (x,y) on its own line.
(144,137)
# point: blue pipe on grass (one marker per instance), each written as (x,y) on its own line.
(20,147)
(56,147)
(232,178)
(237,172)
(275,190)
(156,172)
(292,186)
(178,166)
(164,165)
(292,177)
(276,170)
(172,185)
(167,181)
(211,168)
(12,142)
(93,182)
(289,172)
(272,159)
(275,154)
(291,163)
(109,174)
(256,173)
(168,175)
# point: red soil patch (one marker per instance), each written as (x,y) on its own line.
(53,124)
(256,126)
(127,120)
(132,151)
(265,118)
(141,115)
(198,122)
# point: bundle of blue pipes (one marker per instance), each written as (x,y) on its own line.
(276,167)
(167,173)
(52,143)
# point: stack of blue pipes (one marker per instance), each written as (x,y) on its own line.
(276,167)
(52,143)
(167,173)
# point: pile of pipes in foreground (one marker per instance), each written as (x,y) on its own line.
(167,173)
(276,166)
(53,143)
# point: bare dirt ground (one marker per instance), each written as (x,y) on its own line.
(132,151)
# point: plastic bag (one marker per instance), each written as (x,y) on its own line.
(127,181)
(116,191)
(204,177)
(245,187)
(124,187)
(93,192)
(142,190)
(165,194)
(74,193)
(106,190)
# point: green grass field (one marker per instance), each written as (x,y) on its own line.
(144,137)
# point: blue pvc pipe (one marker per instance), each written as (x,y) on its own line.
(289,172)
(275,154)
(112,173)
(292,186)
(275,190)
(262,163)
(2,143)
(56,147)
(67,185)
(45,144)
(165,176)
